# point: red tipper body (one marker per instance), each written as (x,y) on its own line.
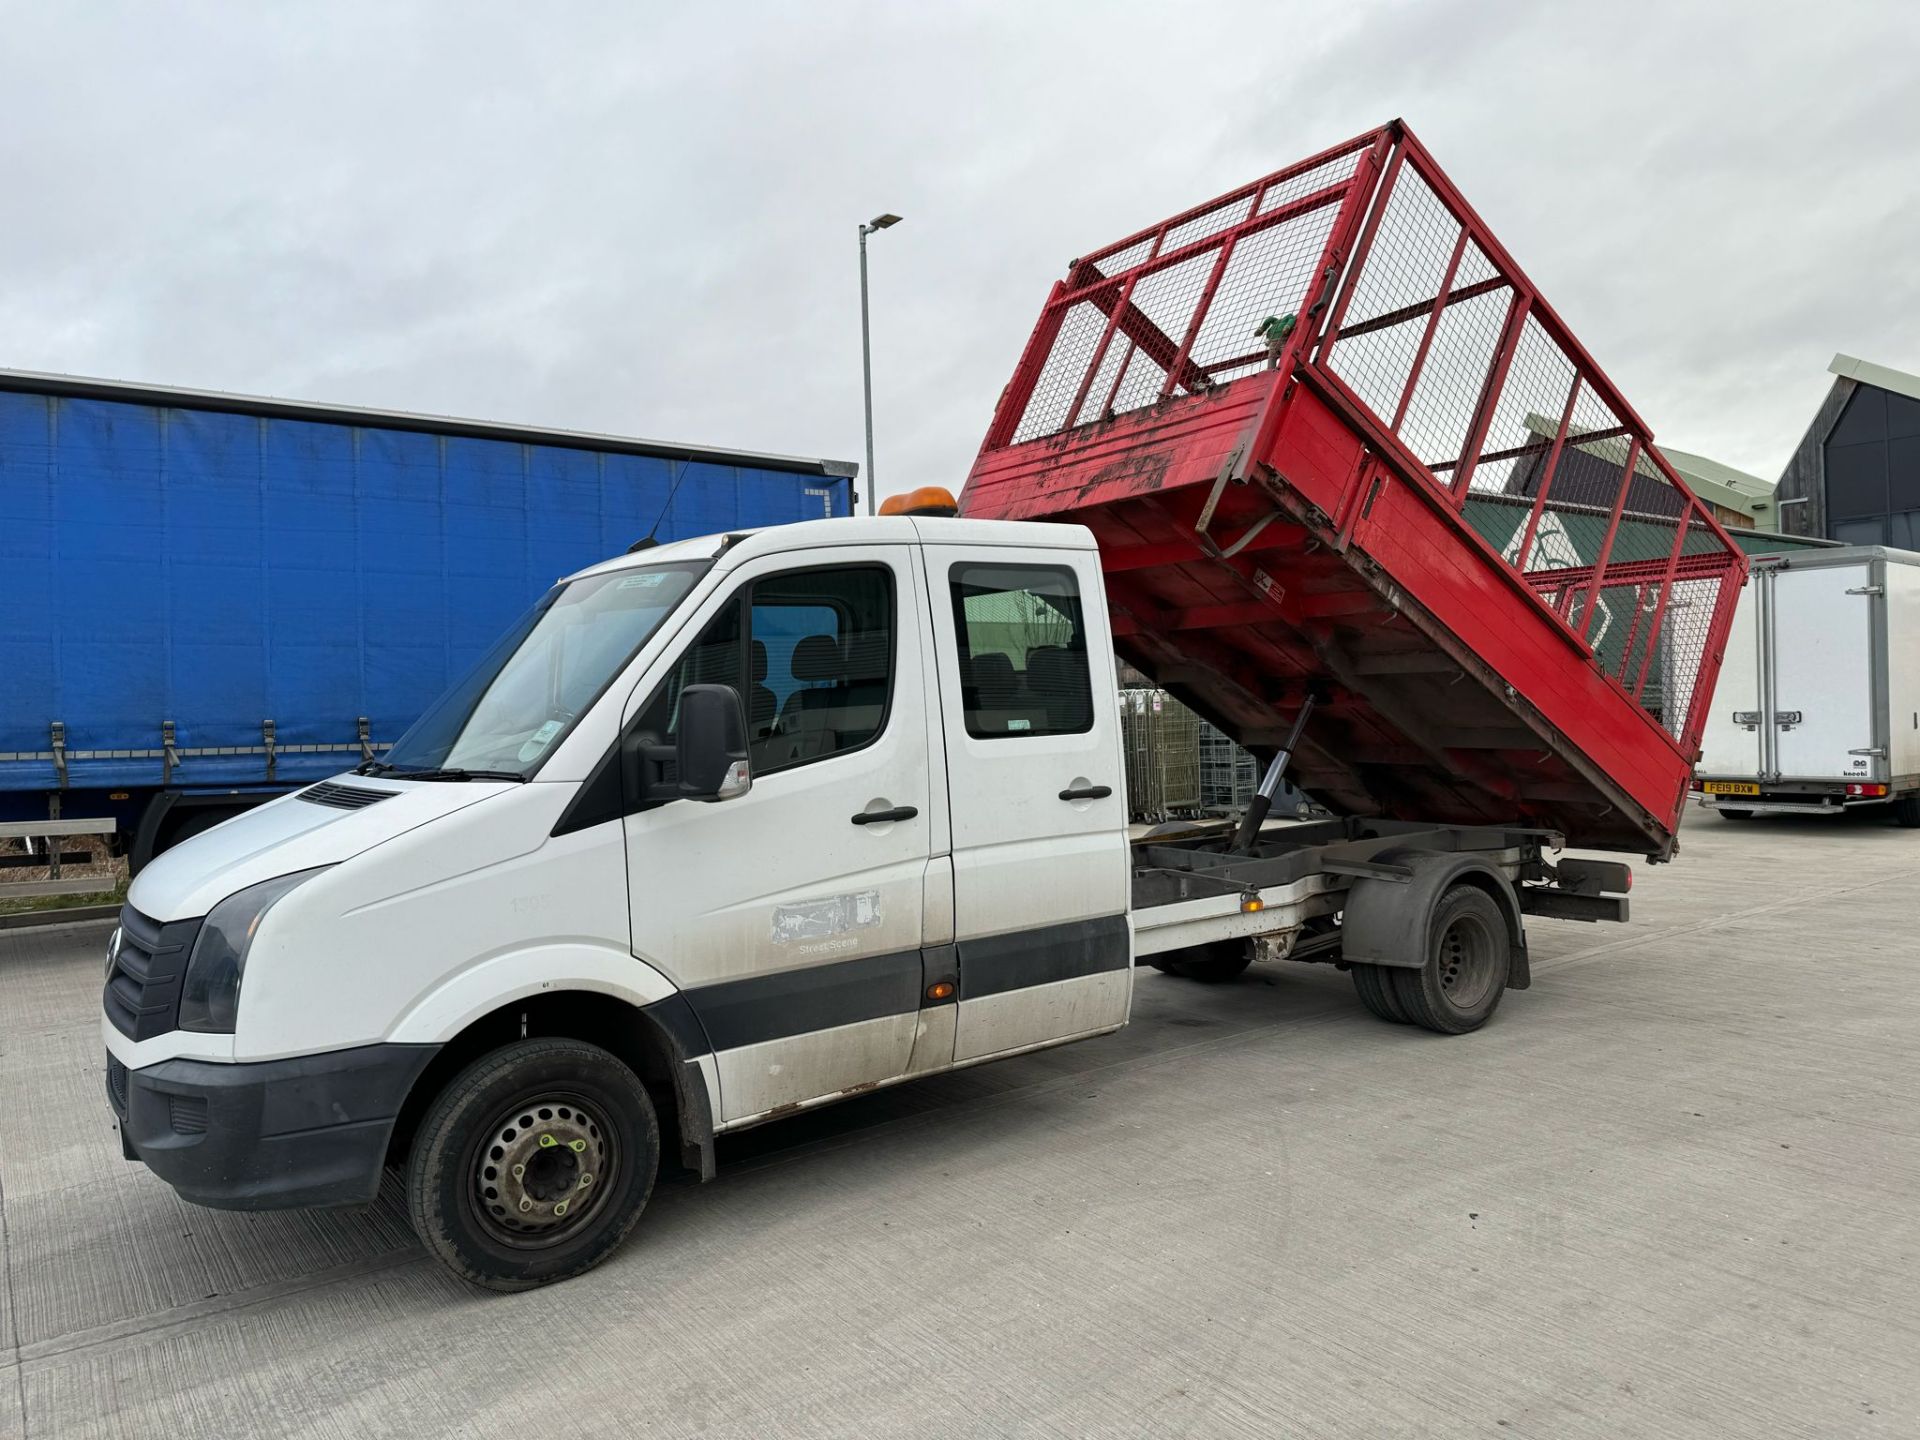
(1333,442)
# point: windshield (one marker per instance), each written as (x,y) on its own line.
(527,692)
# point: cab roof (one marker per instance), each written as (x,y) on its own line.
(741,545)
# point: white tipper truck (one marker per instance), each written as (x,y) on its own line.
(1818,706)
(722,830)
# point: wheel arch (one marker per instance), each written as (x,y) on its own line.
(1384,922)
(661,1042)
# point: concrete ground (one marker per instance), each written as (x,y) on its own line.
(1670,1191)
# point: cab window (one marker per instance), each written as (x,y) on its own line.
(821,652)
(1023,650)
(809,652)
(713,659)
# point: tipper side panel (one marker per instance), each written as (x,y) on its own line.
(1333,442)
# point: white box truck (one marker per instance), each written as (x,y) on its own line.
(719,831)
(1818,706)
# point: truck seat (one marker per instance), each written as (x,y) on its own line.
(843,704)
(995,682)
(817,665)
(1058,684)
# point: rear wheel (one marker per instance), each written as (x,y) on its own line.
(533,1163)
(1375,986)
(1735,814)
(1469,956)
(1906,812)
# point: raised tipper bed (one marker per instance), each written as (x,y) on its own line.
(1333,442)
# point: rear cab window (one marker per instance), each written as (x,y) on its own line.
(1023,650)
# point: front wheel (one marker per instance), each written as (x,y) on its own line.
(1469,957)
(533,1164)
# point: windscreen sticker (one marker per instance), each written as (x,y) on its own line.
(651,580)
(826,917)
(539,740)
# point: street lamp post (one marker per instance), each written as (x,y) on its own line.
(879,222)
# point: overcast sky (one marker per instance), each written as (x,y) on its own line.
(594,217)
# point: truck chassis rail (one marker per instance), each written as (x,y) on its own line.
(1190,891)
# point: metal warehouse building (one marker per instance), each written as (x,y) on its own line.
(1855,477)
(1738,500)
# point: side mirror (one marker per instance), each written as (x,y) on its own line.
(710,749)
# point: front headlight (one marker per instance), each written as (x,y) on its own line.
(210,990)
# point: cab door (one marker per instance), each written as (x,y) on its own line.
(1036,795)
(792,916)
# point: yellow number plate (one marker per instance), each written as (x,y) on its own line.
(1731,787)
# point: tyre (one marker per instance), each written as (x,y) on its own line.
(1375,986)
(533,1164)
(1469,956)
(1734,814)
(1906,812)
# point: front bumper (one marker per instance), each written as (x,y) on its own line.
(268,1135)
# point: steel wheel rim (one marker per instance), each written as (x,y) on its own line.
(1465,962)
(537,1174)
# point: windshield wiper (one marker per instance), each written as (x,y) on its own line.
(455,773)
(372,767)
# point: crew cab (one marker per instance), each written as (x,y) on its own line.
(721,830)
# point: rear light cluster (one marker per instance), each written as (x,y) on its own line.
(1869,792)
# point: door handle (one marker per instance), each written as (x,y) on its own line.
(880,817)
(1087,792)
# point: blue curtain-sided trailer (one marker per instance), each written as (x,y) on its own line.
(217,598)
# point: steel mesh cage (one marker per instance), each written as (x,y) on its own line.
(1183,308)
(1228,771)
(1364,268)
(1459,362)
(1161,740)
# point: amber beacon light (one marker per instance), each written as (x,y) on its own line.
(927,500)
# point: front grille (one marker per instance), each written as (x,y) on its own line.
(142,997)
(117,1086)
(344,797)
